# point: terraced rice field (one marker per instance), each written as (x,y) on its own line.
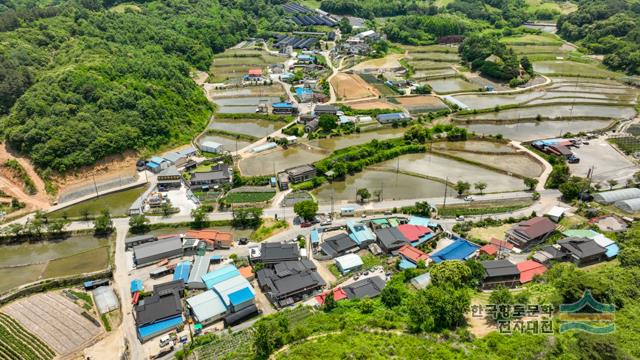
(254,127)
(232,64)
(488,101)
(513,163)
(341,142)
(527,131)
(532,39)
(18,343)
(475,146)
(452,85)
(570,68)
(553,112)
(228,142)
(56,320)
(434,74)
(279,160)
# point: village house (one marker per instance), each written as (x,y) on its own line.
(530,232)
(218,175)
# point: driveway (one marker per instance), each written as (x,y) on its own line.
(606,161)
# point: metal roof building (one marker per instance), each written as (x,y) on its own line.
(348,263)
(365,288)
(228,287)
(219,275)
(206,307)
(200,268)
(609,197)
(182,271)
(106,299)
(421,281)
(460,249)
(148,253)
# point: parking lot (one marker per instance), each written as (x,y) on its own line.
(608,163)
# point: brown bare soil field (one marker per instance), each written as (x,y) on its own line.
(426,100)
(351,87)
(372,104)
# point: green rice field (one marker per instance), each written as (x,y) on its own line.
(249,197)
(570,68)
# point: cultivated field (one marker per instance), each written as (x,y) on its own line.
(378,84)
(18,343)
(54,319)
(389,62)
(569,68)
(232,64)
(372,104)
(352,87)
(423,103)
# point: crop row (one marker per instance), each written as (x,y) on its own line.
(10,327)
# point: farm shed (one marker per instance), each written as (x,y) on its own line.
(145,254)
(182,271)
(219,275)
(200,267)
(629,206)
(206,307)
(106,299)
(211,146)
(421,281)
(392,118)
(348,263)
(460,249)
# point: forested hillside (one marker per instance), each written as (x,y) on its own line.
(83,80)
(608,27)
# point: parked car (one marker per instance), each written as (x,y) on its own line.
(460,218)
(573,160)
(243,241)
(388,212)
(306,224)
(326,223)
(468,198)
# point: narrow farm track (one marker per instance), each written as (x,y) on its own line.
(37,201)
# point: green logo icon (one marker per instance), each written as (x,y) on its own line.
(588,315)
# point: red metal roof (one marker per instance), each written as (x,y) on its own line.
(255,71)
(338,294)
(210,235)
(413,232)
(413,254)
(528,269)
(501,243)
(535,227)
(489,249)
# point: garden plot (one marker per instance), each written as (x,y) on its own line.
(431,49)
(233,64)
(352,87)
(388,63)
(434,74)
(330,144)
(436,56)
(555,112)
(372,104)
(571,68)
(532,39)
(424,65)
(475,146)
(420,104)
(452,85)
(54,319)
(18,343)
(378,84)
(250,194)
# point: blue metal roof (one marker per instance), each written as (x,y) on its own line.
(305,57)
(217,276)
(282,105)
(182,271)
(152,164)
(360,233)
(422,221)
(240,296)
(423,239)
(315,238)
(216,257)
(460,249)
(612,251)
(406,264)
(303,91)
(157,159)
(160,327)
(136,285)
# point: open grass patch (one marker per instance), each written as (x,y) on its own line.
(268,229)
(483,208)
(249,197)
(89,261)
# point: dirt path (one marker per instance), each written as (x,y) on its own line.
(15,189)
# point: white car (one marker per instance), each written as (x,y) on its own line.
(460,218)
(468,198)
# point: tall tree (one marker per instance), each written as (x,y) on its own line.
(306,209)
(103,224)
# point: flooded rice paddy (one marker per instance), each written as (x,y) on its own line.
(228,143)
(475,146)
(255,127)
(278,160)
(341,142)
(452,85)
(243,105)
(513,163)
(571,68)
(393,185)
(527,131)
(117,203)
(557,111)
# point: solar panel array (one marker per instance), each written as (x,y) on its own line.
(304,16)
(295,42)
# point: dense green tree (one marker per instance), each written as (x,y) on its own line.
(392,295)
(363,194)
(103,224)
(451,273)
(306,209)
(139,224)
(199,218)
(462,187)
(329,302)
(327,122)
(480,186)
(530,183)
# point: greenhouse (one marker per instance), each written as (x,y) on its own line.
(630,206)
(609,197)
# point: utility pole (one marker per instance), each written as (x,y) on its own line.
(446,188)
(94,185)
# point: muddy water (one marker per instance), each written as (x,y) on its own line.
(243,105)
(341,142)
(440,167)
(517,164)
(474,146)
(451,85)
(264,164)
(32,253)
(537,130)
(393,186)
(117,203)
(570,68)
(255,127)
(555,111)
(490,101)
(228,143)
